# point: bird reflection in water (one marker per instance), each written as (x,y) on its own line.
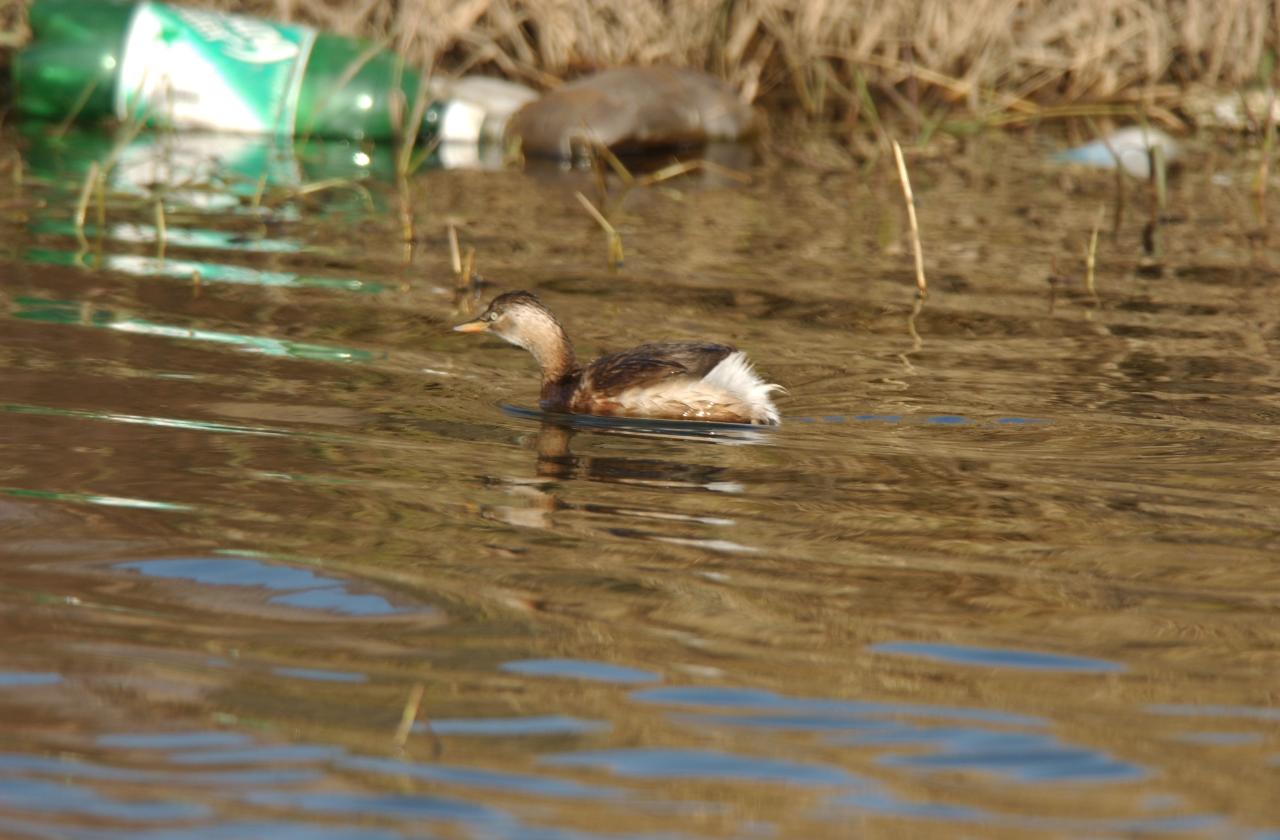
(556,463)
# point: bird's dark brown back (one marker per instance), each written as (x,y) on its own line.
(650,364)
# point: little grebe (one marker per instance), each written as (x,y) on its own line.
(670,380)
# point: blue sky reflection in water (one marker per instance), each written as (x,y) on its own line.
(282,556)
(301,587)
(996,658)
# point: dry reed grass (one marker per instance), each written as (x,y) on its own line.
(978,53)
(818,55)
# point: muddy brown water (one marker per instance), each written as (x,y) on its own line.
(1017,579)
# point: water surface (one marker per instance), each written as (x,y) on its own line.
(282,556)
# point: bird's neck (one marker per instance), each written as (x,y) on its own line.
(556,362)
(551,348)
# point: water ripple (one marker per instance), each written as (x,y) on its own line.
(580,669)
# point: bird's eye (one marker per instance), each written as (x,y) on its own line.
(491,316)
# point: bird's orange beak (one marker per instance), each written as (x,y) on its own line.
(475,326)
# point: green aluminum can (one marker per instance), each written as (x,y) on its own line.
(184,68)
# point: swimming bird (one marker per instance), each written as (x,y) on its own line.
(667,380)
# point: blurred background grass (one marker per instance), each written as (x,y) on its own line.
(830,59)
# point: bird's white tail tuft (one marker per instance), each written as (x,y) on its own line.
(736,376)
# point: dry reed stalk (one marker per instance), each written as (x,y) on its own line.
(614,238)
(415,163)
(162,235)
(258,190)
(468,276)
(405,216)
(865,103)
(916,341)
(1159,178)
(1091,258)
(960,88)
(1117,173)
(125,136)
(464,266)
(922,288)
(675,170)
(335,184)
(666,173)
(405,161)
(100,202)
(76,107)
(1087,111)
(1268,146)
(615,164)
(82,206)
(455,253)
(408,715)
(598,177)
(1155,204)
(96,179)
(1122,195)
